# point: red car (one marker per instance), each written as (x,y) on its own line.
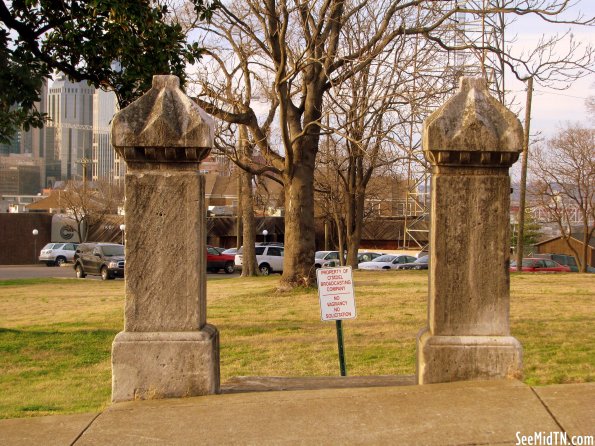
(217,261)
(540,265)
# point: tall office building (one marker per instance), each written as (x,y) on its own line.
(76,137)
(69,134)
(33,141)
(106,163)
(19,174)
(21,160)
(13,146)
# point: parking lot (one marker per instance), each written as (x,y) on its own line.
(8,272)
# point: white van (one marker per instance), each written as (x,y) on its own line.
(268,258)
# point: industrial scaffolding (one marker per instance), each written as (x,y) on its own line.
(472,33)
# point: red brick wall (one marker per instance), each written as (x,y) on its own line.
(18,245)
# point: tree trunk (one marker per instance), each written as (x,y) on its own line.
(249,264)
(298,266)
(341,238)
(352,240)
(354,230)
(584,252)
(80,229)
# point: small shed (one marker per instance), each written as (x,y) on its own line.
(558,245)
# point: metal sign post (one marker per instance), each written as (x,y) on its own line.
(337,302)
(339,324)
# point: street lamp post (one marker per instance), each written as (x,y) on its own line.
(35,232)
(122,228)
(264,234)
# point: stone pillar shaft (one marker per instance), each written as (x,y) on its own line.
(469,286)
(165,243)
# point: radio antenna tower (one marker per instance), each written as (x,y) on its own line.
(475,30)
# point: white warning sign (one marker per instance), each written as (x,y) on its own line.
(335,291)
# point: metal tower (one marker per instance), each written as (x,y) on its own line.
(472,31)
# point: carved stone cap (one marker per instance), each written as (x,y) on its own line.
(472,128)
(163,125)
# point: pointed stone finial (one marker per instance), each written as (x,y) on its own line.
(163,125)
(472,128)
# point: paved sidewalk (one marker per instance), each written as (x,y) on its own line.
(463,413)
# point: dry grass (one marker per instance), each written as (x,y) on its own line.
(26,303)
(266,333)
(56,334)
(553,316)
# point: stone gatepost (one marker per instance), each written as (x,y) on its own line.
(166,349)
(471,142)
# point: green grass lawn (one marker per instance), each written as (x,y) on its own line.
(56,334)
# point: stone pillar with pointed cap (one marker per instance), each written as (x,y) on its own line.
(471,142)
(167,349)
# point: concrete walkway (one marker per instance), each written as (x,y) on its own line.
(463,413)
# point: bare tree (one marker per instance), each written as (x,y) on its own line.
(228,81)
(89,203)
(299,47)
(233,141)
(371,122)
(565,185)
(330,193)
(555,62)
(249,264)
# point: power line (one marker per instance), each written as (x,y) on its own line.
(560,94)
(549,92)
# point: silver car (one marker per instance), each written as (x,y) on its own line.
(268,258)
(326,258)
(387,261)
(55,254)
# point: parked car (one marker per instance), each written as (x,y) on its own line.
(367,256)
(387,261)
(101,259)
(55,254)
(562,259)
(330,259)
(268,258)
(325,258)
(230,251)
(217,260)
(539,265)
(420,263)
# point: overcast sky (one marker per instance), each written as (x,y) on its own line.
(553,108)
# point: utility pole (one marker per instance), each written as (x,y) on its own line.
(84,161)
(523,185)
(240,212)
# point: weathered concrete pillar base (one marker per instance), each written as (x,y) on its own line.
(467,358)
(148,365)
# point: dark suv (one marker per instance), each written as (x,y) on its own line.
(100,259)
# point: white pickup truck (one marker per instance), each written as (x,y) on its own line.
(268,258)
